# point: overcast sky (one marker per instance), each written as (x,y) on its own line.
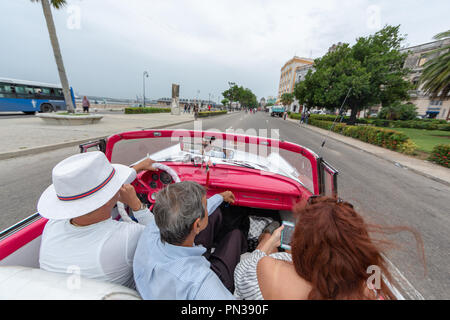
(201,45)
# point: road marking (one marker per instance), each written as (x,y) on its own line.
(406,286)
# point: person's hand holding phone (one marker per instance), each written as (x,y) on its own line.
(273,241)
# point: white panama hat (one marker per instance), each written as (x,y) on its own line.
(81,184)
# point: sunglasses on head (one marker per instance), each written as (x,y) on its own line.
(314,199)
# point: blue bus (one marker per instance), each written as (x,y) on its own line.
(30,97)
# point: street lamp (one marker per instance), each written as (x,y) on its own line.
(145,75)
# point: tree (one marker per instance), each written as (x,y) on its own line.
(225,101)
(245,96)
(436,73)
(46,8)
(287,99)
(372,69)
(335,73)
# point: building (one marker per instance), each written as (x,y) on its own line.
(417,57)
(271,100)
(290,73)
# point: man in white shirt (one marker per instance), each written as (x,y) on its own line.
(80,235)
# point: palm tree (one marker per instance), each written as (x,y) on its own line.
(436,73)
(287,99)
(57,4)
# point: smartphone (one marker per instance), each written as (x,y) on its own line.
(286,234)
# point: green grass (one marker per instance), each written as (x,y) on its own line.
(426,139)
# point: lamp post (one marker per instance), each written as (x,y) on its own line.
(145,75)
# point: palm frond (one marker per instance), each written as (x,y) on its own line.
(442,35)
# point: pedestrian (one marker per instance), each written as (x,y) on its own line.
(302,119)
(307,116)
(284,115)
(195,111)
(85,104)
(185,108)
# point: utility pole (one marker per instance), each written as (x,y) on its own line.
(145,75)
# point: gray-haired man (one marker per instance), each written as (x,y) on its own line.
(169,263)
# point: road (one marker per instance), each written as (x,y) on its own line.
(382,192)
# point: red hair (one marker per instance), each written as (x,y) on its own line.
(332,250)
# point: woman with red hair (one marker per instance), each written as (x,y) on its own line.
(333,257)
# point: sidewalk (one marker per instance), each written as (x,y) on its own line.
(24,136)
(422,167)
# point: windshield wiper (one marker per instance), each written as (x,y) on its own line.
(240,163)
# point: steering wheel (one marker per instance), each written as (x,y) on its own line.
(153,191)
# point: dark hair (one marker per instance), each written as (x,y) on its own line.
(332,250)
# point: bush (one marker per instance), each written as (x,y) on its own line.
(441,155)
(413,124)
(296,116)
(385,138)
(398,111)
(146,110)
(203,114)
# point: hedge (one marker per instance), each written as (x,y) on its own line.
(427,124)
(413,124)
(146,110)
(203,114)
(441,155)
(382,137)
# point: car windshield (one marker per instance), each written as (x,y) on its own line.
(271,159)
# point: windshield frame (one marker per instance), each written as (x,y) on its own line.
(312,157)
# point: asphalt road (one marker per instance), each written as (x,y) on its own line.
(382,192)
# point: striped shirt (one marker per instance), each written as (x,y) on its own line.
(245,278)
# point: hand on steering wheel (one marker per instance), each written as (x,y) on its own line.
(153,191)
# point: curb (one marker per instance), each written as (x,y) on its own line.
(426,175)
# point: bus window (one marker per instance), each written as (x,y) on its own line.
(19,89)
(60,92)
(37,90)
(6,91)
(29,90)
(46,91)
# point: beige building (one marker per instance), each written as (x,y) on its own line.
(289,75)
(417,57)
